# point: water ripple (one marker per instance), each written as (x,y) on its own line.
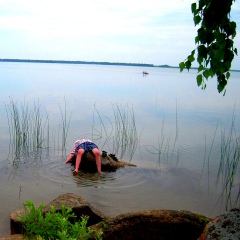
(55,171)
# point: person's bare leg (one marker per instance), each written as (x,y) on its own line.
(78,159)
(98,159)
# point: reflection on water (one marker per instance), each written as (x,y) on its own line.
(177,159)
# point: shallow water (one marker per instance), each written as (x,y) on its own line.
(172,115)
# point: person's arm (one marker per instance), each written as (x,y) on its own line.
(69,157)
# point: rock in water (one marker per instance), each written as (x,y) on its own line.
(223,227)
(108,163)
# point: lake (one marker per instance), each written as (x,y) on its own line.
(181,135)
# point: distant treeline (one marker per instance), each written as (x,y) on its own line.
(96,63)
(82,62)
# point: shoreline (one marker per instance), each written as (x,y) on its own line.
(95,63)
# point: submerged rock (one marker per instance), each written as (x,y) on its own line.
(108,162)
(223,227)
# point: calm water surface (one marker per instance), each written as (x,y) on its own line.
(180,128)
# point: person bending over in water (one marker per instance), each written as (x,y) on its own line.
(81,146)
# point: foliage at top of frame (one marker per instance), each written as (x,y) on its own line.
(215,45)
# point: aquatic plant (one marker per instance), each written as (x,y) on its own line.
(229,168)
(126,137)
(119,135)
(164,150)
(65,127)
(26,128)
(227,179)
(29,130)
(101,132)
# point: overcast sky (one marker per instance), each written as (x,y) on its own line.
(132,31)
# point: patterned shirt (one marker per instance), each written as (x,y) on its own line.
(77,143)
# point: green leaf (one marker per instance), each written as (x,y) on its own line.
(233,26)
(196,39)
(191,58)
(188,65)
(197,19)
(221,83)
(210,37)
(206,73)
(202,51)
(181,66)
(229,43)
(200,59)
(199,79)
(236,51)
(228,75)
(211,72)
(202,34)
(200,68)
(227,65)
(201,4)
(193,7)
(220,37)
(220,87)
(54,225)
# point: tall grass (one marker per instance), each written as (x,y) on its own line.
(65,127)
(164,150)
(229,167)
(101,132)
(29,130)
(119,135)
(126,137)
(228,178)
(207,159)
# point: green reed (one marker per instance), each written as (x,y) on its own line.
(207,158)
(119,136)
(229,168)
(126,137)
(228,177)
(164,150)
(65,127)
(101,133)
(29,129)
(25,128)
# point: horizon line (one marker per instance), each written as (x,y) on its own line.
(93,62)
(81,62)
